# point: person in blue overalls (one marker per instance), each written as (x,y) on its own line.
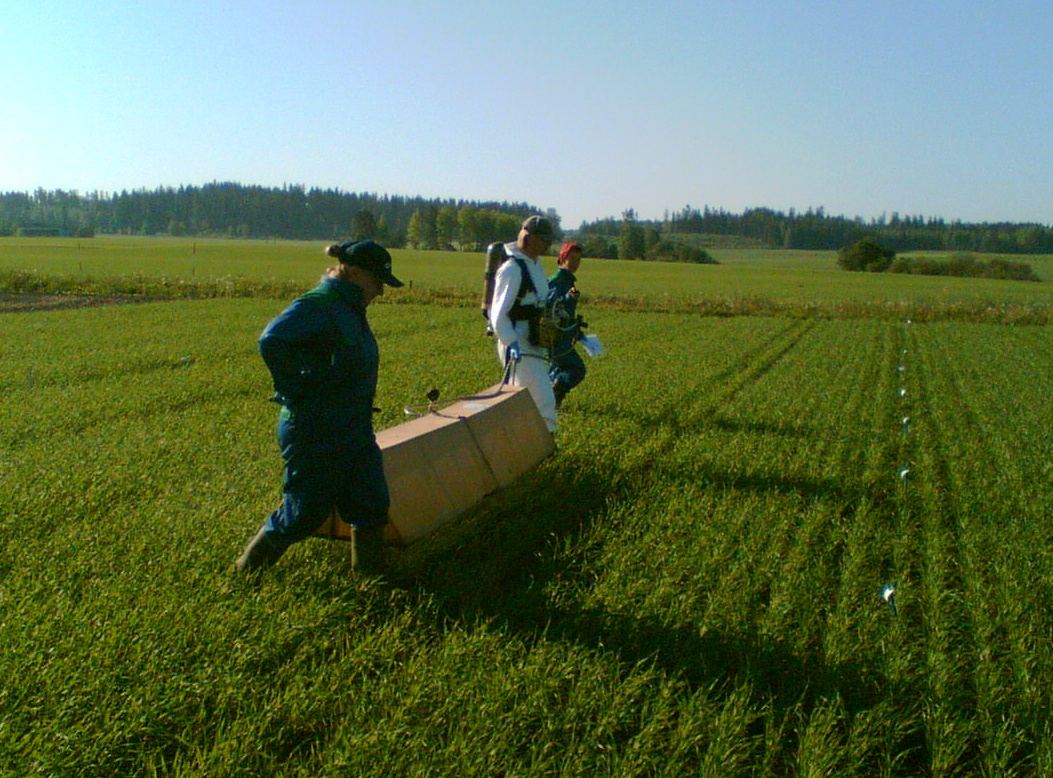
(323,361)
(568,368)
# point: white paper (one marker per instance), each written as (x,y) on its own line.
(592,346)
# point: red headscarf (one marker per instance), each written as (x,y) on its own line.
(567,248)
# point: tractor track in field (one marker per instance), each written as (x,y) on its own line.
(757,362)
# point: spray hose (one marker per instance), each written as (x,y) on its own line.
(432,405)
(433,402)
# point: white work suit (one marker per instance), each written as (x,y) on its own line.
(532,370)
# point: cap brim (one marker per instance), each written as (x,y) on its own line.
(390,280)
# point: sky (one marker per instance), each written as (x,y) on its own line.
(938,108)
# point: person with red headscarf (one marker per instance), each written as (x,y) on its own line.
(568,368)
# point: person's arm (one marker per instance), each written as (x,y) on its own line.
(506,287)
(558,285)
(284,348)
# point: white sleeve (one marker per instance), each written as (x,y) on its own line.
(506,287)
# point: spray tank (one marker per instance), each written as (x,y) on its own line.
(495,255)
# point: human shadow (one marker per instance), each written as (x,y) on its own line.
(497,564)
(671,415)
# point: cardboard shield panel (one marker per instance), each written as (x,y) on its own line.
(440,465)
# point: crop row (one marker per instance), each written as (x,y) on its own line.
(690,583)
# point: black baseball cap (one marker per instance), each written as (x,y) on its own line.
(369,255)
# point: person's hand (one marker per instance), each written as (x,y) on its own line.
(512,354)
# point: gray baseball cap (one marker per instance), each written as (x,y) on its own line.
(540,227)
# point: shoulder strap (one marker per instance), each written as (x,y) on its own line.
(519,311)
(527,284)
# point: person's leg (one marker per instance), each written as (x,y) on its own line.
(363,502)
(532,372)
(566,372)
(573,369)
(309,493)
(313,482)
(363,499)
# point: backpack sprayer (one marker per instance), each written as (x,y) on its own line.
(547,325)
(547,322)
(495,255)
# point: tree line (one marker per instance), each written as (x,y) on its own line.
(869,256)
(635,239)
(232,210)
(292,212)
(815,230)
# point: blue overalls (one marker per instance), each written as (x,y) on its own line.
(568,368)
(323,360)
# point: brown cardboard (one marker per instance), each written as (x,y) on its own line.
(513,439)
(441,464)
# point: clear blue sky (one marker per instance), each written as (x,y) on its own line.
(933,107)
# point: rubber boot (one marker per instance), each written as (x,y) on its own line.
(368,556)
(259,554)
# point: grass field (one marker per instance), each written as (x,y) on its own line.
(694,589)
(745,279)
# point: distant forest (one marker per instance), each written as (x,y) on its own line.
(815,230)
(232,210)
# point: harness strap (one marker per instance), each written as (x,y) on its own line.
(520,312)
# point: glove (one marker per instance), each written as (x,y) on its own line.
(512,354)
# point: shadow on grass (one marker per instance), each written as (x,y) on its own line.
(496,564)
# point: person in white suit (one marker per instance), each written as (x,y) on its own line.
(520,293)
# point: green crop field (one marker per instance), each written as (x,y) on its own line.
(690,585)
